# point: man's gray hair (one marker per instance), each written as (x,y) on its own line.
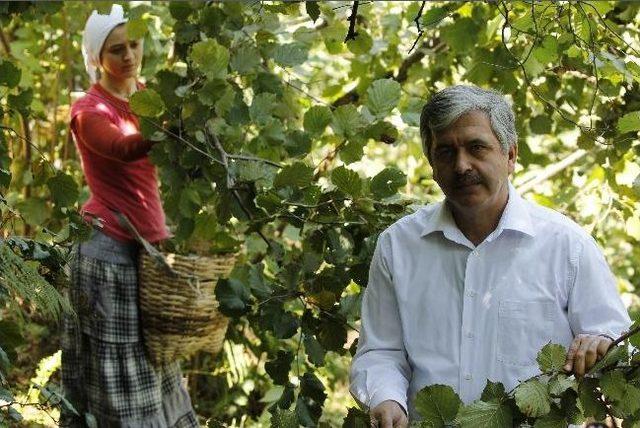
(447,105)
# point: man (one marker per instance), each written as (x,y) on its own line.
(472,288)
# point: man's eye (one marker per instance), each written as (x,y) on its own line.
(134,44)
(444,154)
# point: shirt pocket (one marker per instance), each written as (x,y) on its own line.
(524,327)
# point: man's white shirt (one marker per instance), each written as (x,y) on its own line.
(440,310)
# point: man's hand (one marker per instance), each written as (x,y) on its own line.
(584,351)
(389,414)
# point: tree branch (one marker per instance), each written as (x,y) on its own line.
(352,33)
(551,171)
(5,43)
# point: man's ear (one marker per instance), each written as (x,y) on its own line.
(512,154)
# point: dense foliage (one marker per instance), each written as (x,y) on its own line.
(288,132)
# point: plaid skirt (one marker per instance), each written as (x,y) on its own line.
(105,373)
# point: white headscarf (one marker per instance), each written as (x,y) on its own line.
(95,33)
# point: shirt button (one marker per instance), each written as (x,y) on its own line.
(471,293)
(467,376)
(470,335)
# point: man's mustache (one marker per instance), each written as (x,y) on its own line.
(467,179)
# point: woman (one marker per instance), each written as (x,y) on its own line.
(105,372)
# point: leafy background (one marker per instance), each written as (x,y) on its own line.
(290,131)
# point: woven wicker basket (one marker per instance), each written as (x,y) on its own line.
(178,308)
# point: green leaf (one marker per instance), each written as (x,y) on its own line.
(33,210)
(433,16)
(613,385)
(297,143)
(210,92)
(245,60)
(630,402)
(5,175)
(332,335)
(555,419)
(347,121)
(486,415)
(63,188)
(347,181)
(290,55)
(630,122)
(147,103)
(313,10)
(180,10)
(493,392)
(9,74)
(137,28)
(210,58)
(560,383)
(635,338)
(610,358)
(310,400)
(5,395)
(362,44)
(382,131)
(233,297)
(462,35)
(547,52)
(261,108)
(278,368)
(284,419)
(438,405)
(541,124)
(22,101)
(387,182)
(383,96)
(296,175)
(532,398)
(356,418)
(314,350)
(551,358)
(316,119)
(15,415)
(588,396)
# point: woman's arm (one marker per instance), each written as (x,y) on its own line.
(100,135)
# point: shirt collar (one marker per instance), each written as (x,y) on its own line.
(514,217)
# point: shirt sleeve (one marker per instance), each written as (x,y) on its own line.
(380,370)
(595,306)
(100,135)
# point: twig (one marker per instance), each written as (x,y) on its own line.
(30,143)
(604,23)
(254,159)
(417,21)
(231,182)
(625,336)
(352,33)
(593,61)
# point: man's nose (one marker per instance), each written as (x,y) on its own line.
(462,162)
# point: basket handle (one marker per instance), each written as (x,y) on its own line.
(156,255)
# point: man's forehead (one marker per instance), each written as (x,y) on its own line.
(462,133)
